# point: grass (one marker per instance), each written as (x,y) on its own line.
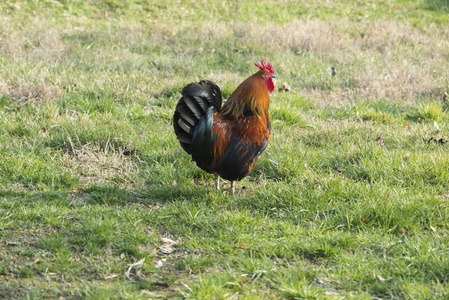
(348,201)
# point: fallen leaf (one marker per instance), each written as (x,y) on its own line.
(244,280)
(159,264)
(80,188)
(168,241)
(364,220)
(131,266)
(166,249)
(111,276)
(386,196)
(151,294)
(138,263)
(381,278)
(329,293)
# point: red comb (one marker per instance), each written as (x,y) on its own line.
(265,66)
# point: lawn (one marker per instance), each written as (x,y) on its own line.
(99,201)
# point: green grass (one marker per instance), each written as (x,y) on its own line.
(348,201)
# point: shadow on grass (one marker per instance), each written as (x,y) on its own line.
(167,193)
(108,195)
(31,198)
(439,5)
(113,195)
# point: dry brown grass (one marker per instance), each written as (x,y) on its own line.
(386,59)
(383,59)
(39,40)
(37,44)
(22,92)
(96,164)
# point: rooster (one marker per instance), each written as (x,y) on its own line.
(226,140)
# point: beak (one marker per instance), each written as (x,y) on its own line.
(273,76)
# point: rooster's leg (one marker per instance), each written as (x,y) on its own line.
(233,186)
(217,181)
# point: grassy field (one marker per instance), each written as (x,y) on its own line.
(98,200)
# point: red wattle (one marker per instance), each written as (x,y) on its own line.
(270,85)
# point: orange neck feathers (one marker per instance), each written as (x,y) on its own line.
(250,97)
